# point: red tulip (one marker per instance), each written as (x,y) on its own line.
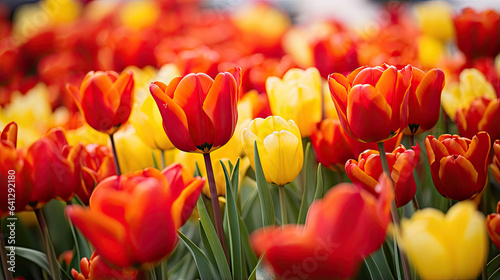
(105,99)
(495,164)
(372,102)
(335,238)
(402,162)
(97,269)
(424,100)
(458,164)
(199,114)
(482,115)
(493,226)
(133,219)
(478,33)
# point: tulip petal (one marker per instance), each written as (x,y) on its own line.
(428,94)
(458,177)
(124,85)
(96,106)
(9,133)
(359,177)
(186,201)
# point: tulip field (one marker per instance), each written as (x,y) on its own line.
(192,139)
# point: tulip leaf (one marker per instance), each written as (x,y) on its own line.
(493,266)
(373,269)
(250,256)
(213,240)
(206,246)
(81,247)
(235,178)
(253,275)
(204,268)
(233,224)
(266,200)
(318,192)
(36,257)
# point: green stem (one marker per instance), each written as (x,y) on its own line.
(51,254)
(282,205)
(215,204)
(115,155)
(7,274)
(164,270)
(394,210)
(163,162)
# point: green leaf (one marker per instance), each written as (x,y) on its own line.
(204,268)
(213,240)
(319,183)
(250,256)
(81,248)
(206,246)
(36,257)
(197,171)
(235,178)
(382,264)
(233,225)
(375,273)
(155,164)
(396,259)
(318,193)
(266,200)
(253,275)
(493,266)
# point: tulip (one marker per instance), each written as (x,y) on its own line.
(451,246)
(495,164)
(472,85)
(331,146)
(97,269)
(482,115)
(358,147)
(424,100)
(493,226)
(333,241)
(133,218)
(105,99)
(477,33)
(297,97)
(280,148)
(436,13)
(402,162)
(199,114)
(458,164)
(372,102)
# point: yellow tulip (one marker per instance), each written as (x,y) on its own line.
(451,246)
(472,84)
(430,51)
(298,97)
(140,14)
(280,148)
(435,19)
(85,134)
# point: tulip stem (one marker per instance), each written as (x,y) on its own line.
(115,155)
(394,210)
(51,254)
(163,163)
(414,200)
(7,274)
(215,203)
(282,205)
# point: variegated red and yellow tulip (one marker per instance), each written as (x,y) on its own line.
(495,164)
(402,162)
(372,102)
(334,237)
(493,226)
(458,164)
(199,114)
(105,99)
(133,218)
(424,100)
(482,115)
(97,269)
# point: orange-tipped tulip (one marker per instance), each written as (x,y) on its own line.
(334,240)
(372,102)
(482,115)
(424,100)
(133,219)
(458,164)
(495,164)
(105,99)
(402,162)
(330,144)
(493,226)
(199,114)
(97,269)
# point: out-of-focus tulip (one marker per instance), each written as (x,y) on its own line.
(280,148)
(199,60)
(451,246)
(105,99)
(298,97)
(330,144)
(372,102)
(133,219)
(13,171)
(436,13)
(458,164)
(495,164)
(199,114)
(493,226)
(472,85)
(334,241)
(402,162)
(255,105)
(139,14)
(55,168)
(477,33)
(97,165)
(424,100)
(431,52)
(97,269)
(482,115)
